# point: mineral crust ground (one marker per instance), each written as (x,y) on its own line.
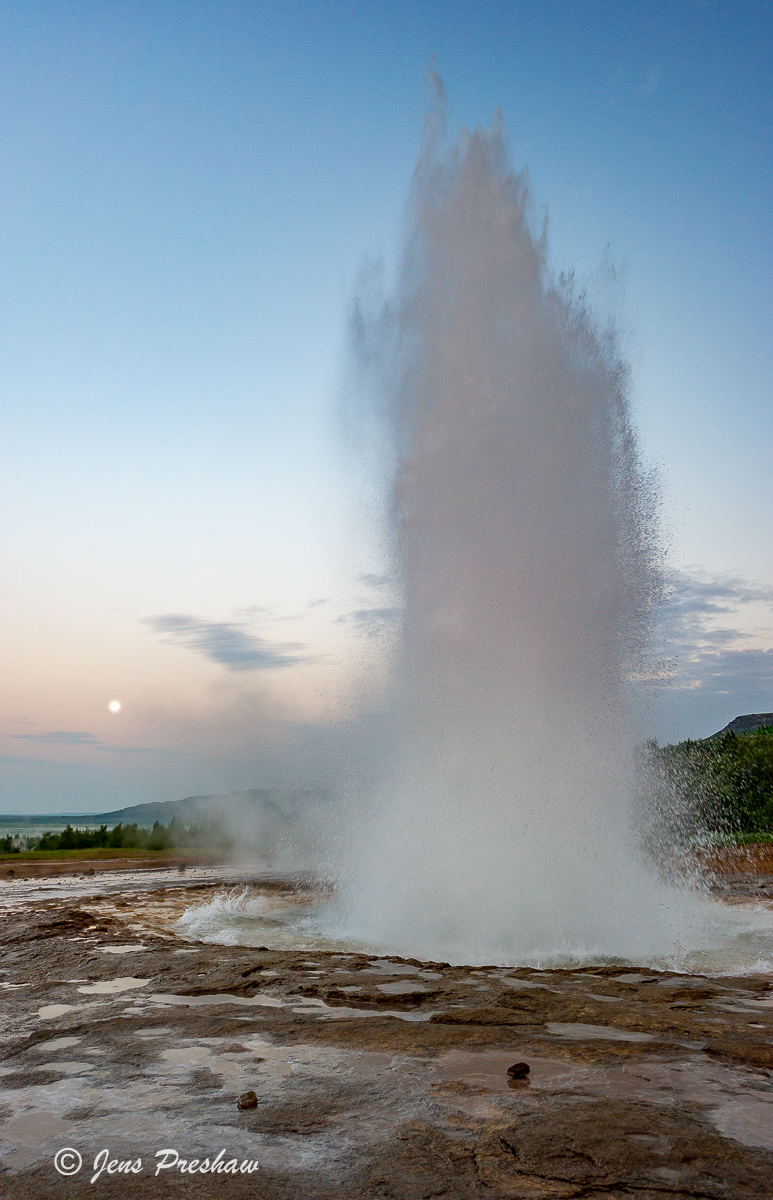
(374,1077)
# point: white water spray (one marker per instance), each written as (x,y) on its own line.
(524,544)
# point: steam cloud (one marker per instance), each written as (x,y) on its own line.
(526,548)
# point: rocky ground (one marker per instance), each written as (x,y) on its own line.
(373,1077)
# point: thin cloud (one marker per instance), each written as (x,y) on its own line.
(374,581)
(58,737)
(370,621)
(713,593)
(253,611)
(167,751)
(226,643)
(728,672)
(710,656)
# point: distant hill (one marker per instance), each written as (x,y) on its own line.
(192,808)
(235,807)
(749,723)
(284,829)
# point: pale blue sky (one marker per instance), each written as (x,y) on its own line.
(191,188)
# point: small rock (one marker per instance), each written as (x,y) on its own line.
(518,1070)
(248,1100)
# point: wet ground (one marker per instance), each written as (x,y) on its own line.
(374,1077)
(18,867)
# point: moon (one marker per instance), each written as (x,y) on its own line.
(114,706)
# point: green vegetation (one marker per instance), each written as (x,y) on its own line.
(723,785)
(209,835)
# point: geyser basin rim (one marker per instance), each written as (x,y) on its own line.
(728,941)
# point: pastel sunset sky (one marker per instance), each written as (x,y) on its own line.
(192,187)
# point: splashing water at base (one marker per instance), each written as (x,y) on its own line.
(525,542)
(246,916)
(725,940)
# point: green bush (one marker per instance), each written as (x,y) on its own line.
(722,785)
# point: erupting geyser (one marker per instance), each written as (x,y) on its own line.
(524,545)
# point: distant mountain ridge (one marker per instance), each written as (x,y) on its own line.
(749,723)
(190,810)
(226,805)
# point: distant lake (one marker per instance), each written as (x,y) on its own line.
(37,824)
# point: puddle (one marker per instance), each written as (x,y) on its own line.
(388,970)
(30,1129)
(608,1033)
(111,987)
(62,1043)
(682,981)
(224,998)
(522,983)
(382,966)
(401,989)
(488,1068)
(748,1119)
(704,1082)
(308,1006)
(312,1006)
(50,1011)
(67,1068)
(187,1058)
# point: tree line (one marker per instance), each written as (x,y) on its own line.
(207,835)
